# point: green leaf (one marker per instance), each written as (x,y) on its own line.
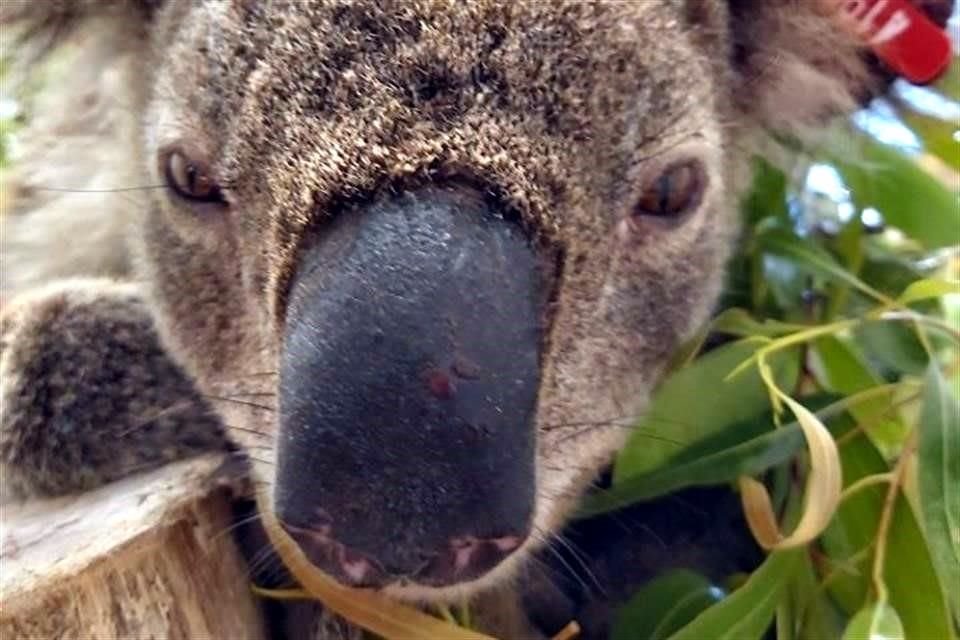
(664,605)
(908,197)
(937,136)
(814,615)
(739,322)
(850,250)
(876,621)
(768,194)
(807,255)
(709,462)
(841,368)
(674,421)
(926,289)
(939,481)
(893,347)
(746,614)
(784,281)
(888,271)
(914,590)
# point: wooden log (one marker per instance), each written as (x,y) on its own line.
(148,557)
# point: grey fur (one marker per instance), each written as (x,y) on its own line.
(561,108)
(88,395)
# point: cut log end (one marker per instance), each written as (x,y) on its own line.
(148,557)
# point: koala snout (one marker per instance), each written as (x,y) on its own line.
(408,387)
(462,559)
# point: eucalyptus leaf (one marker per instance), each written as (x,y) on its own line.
(842,368)
(823,487)
(784,281)
(888,271)
(937,136)
(909,198)
(849,541)
(664,605)
(811,257)
(710,462)
(939,481)
(849,247)
(768,194)
(892,347)
(877,621)
(675,422)
(739,322)
(747,613)
(815,616)
(926,289)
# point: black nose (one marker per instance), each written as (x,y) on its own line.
(408,387)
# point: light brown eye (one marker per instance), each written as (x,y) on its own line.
(673,192)
(190,179)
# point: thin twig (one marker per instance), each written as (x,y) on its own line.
(886,517)
(863,483)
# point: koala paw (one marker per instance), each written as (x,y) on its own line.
(87,393)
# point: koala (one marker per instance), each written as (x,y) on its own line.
(421,262)
(81,358)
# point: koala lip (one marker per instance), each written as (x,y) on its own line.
(464,559)
(409,378)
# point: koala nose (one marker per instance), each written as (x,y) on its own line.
(408,386)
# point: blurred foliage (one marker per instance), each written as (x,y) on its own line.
(837,350)
(18,91)
(8,122)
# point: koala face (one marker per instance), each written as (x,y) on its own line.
(452,245)
(429,258)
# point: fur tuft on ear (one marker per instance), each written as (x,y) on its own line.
(794,66)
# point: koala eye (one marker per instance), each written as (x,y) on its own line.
(190,179)
(673,191)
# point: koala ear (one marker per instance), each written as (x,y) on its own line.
(795,65)
(40,25)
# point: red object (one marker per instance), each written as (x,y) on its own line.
(901,35)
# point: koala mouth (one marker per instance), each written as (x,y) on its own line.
(408,387)
(465,559)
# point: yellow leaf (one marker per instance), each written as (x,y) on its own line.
(759,513)
(824,484)
(369,610)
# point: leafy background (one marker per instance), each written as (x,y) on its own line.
(843,301)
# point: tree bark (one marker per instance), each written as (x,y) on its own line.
(148,557)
